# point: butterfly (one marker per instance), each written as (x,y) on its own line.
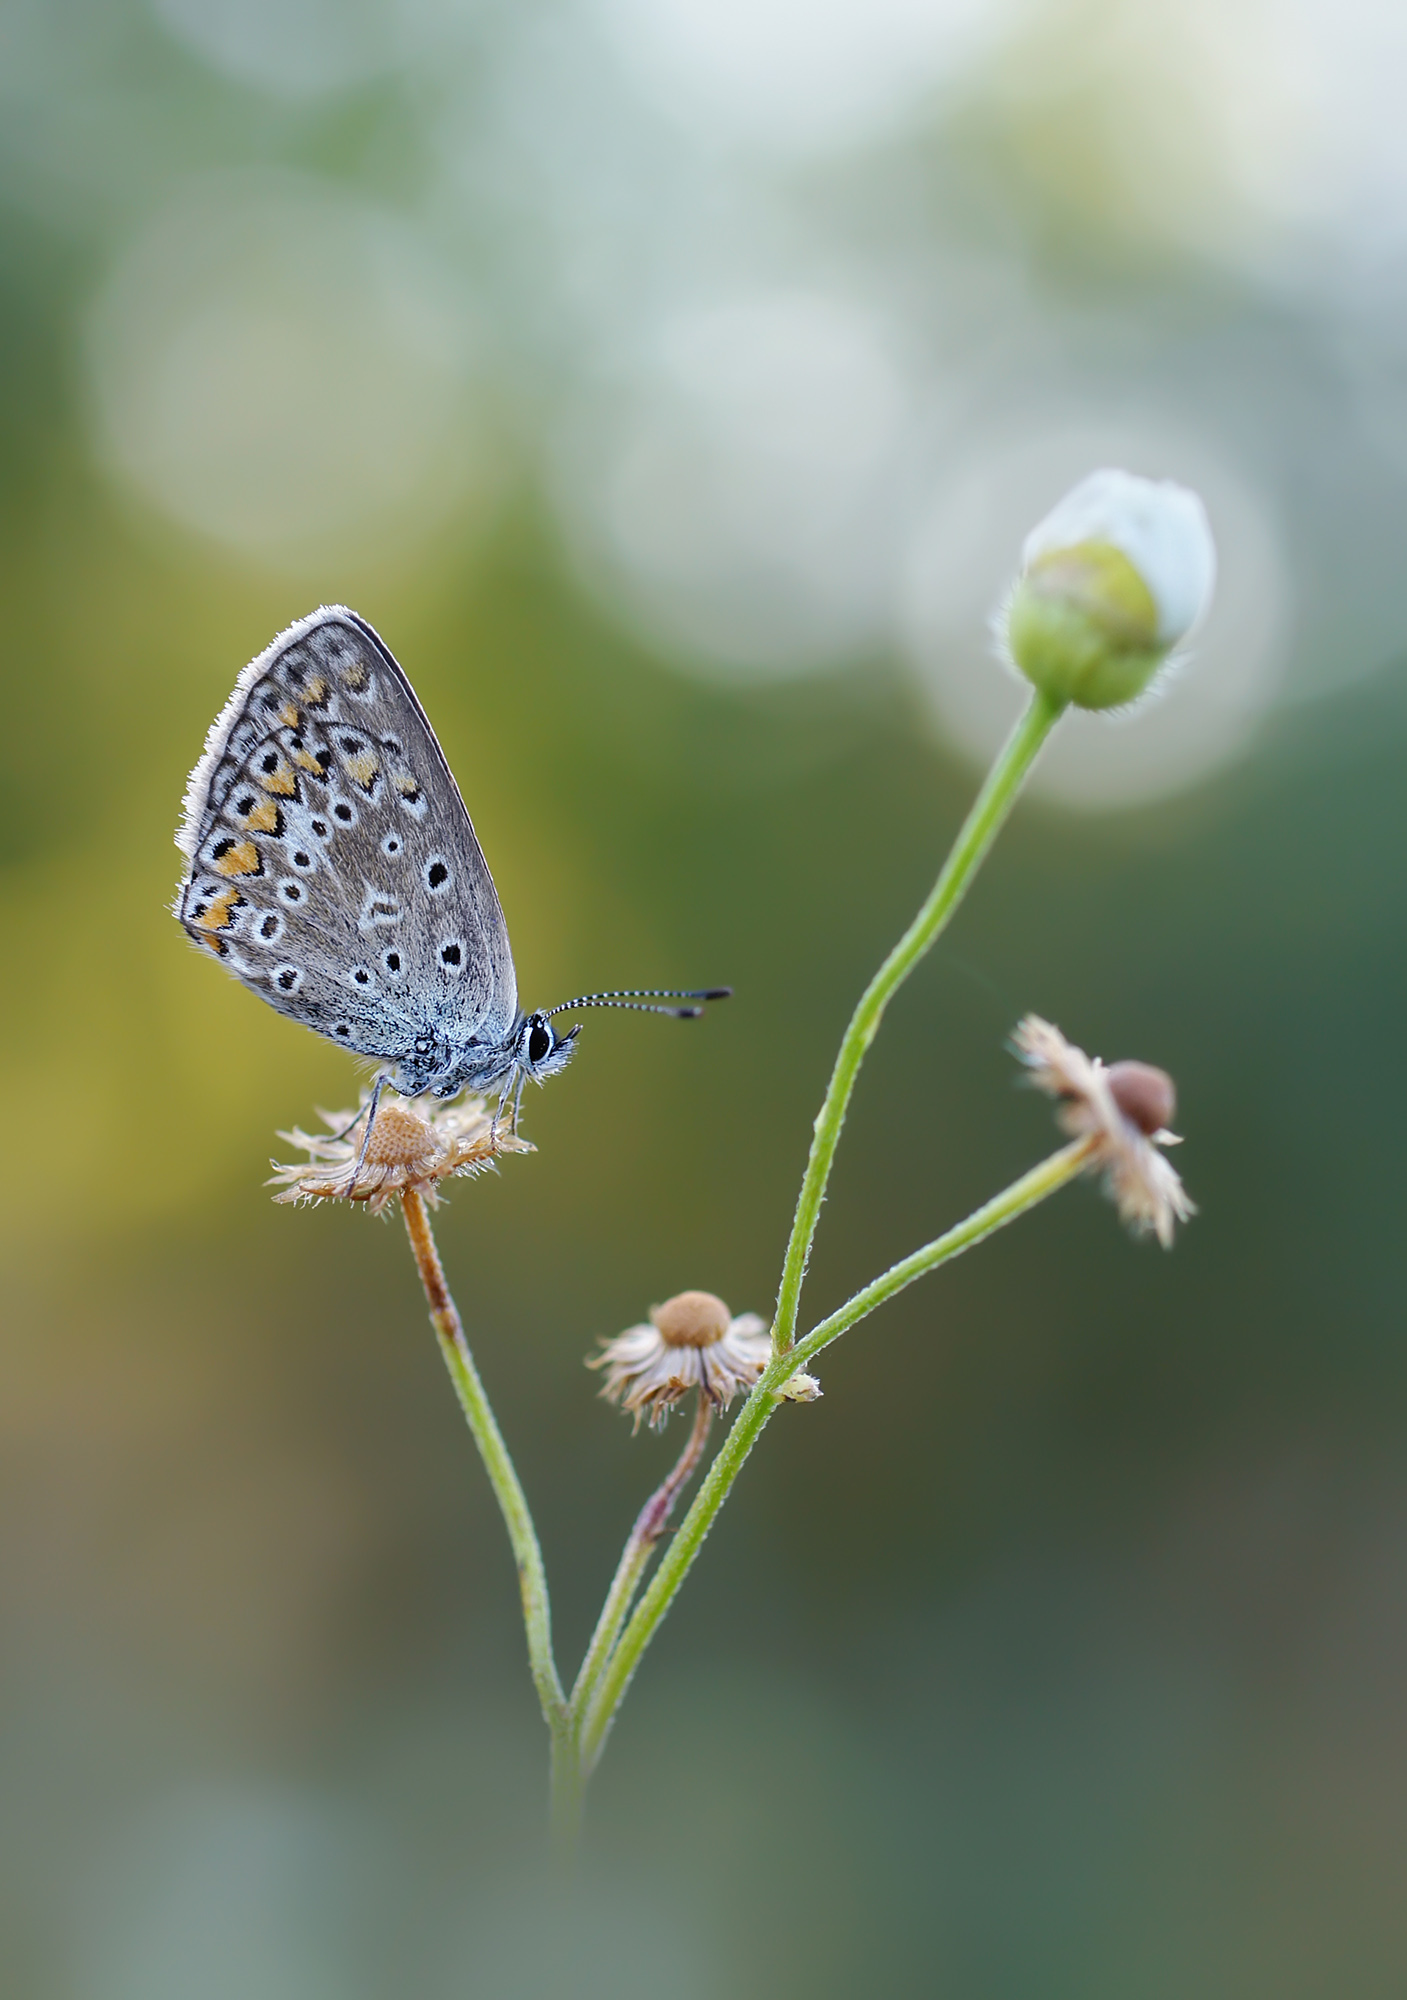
(332,868)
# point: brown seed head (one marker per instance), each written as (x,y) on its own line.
(417,1143)
(690,1343)
(400,1139)
(692,1319)
(1121,1115)
(1145,1095)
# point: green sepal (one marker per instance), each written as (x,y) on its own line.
(1082,626)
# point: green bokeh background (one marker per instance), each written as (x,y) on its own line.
(1062,1648)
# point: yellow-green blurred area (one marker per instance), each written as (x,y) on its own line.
(672,382)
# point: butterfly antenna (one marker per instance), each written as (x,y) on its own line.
(633,999)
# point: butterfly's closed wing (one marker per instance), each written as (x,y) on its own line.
(333,866)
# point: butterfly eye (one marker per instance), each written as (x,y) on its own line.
(540,1043)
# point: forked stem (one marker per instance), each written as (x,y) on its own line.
(579,1726)
(650,1524)
(979,830)
(1023,1194)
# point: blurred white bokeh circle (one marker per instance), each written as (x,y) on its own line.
(1352,170)
(799,76)
(285,368)
(1203,710)
(738,498)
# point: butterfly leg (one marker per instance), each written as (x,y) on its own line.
(514,1089)
(337,1137)
(370,1116)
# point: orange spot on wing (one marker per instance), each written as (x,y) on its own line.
(281,781)
(219,912)
(315,693)
(355,676)
(241,860)
(363,769)
(306,760)
(289,714)
(264,818)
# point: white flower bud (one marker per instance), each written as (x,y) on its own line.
(1160,526)
(1113,578)
(800,1388)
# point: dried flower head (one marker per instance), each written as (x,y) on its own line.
(1125,1109)
(692,1341)
(416,1142)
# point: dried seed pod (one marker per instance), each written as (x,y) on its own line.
(1145,1095)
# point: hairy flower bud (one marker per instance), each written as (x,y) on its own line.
(1115,576)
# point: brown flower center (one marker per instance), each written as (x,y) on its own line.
(692,1319)
(400,1139)
(1145,1095)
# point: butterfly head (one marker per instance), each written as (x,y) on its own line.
(542,1051)
(532,1047)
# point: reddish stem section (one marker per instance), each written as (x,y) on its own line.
(427,1262)
(654,1515)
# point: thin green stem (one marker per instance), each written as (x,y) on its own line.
(508,1490)
(650,1525)
(568,1794)
(1033,1187)
(980,828)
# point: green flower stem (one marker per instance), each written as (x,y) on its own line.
(512,1501)
(1033,1187)
(568,1798)
(980,828)
(650,1524)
